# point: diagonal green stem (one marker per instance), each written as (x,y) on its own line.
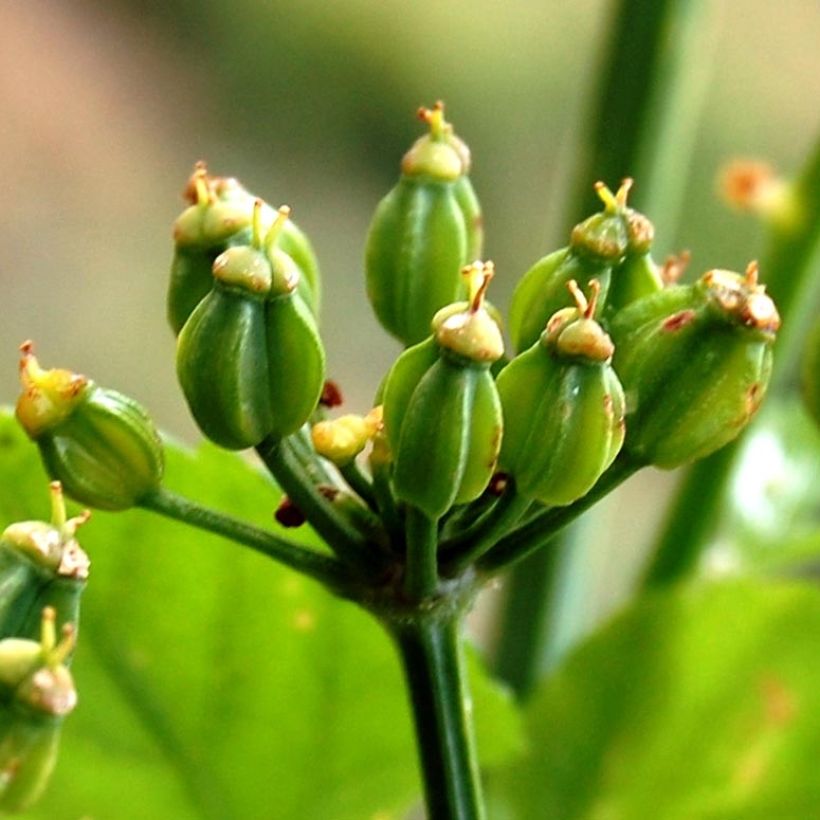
(539,529)
(432,659)
(463,549)
(339,533)
(324,568)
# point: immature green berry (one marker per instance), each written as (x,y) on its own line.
(563,407)
(41,564)
(36,693)
(442,415)
(597,245)
(249,358)
(219,216)
(100,444)
(695,362)
(423,232)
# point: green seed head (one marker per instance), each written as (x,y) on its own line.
(604,235)
(211,219)
(440,153)
(471,333)
(574,333)
(53,545)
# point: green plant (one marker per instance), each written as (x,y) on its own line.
(413,538)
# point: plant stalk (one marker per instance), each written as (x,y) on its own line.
(432,658)
(324,568)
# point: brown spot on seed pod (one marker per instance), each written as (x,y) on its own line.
(678,321)
(753,398)
(331,395)
(608,405)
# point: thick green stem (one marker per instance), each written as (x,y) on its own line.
(339,533)
(322,568)
(535,533)
(421,573)
(431,655)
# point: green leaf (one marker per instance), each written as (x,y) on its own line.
(215,684)
(701,702)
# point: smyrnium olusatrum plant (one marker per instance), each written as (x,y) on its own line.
(469,459)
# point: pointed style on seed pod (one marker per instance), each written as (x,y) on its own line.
(41,564)
(563,406)
(100,444)
(423,232)
(596,246)
(218,217)
(249,358)
(442,415)
(695,362)
(36,693)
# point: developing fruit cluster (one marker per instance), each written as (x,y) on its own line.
(615,366)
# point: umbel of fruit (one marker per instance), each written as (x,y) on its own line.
(695,362)
(249,358)
(563,407)
(101,445)
(423,232)
(442,415)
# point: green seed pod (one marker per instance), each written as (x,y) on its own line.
(596,246)
(695,362)
(249,358)
(563,407)
(810,373)
(442,415)
(423,232)
(36,693)
(41,565)
(101,445)
(219,217)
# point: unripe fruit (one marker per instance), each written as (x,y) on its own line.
(442,416)
(41,565)
(695,362)
(597,245)
(36,693)
(249,358)
(101,445)
(219,217)
(563,407)
(423,232)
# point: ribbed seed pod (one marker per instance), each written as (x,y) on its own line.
(41,565)
(563,407)
(695,362)
(36,693)
(219,217)
(442,416)
(596,246)
(249,358)
(101,445)
(423,232)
